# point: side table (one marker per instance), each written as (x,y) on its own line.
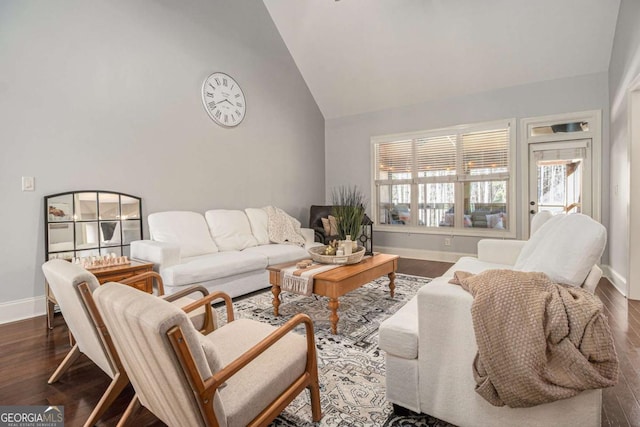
(109,274)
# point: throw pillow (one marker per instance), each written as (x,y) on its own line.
(449,219)
(538,219)
(495,221)
(564,248)
(330,226)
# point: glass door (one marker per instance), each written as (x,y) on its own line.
(560,177)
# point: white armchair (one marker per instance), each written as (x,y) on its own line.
(430,343)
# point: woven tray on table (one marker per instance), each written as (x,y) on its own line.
(317,254)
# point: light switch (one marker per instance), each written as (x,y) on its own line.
(28,183)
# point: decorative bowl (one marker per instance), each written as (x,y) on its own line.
(317,254)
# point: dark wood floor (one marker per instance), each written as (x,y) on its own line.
(29,354)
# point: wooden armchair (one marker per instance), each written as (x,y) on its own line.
(73,287)
(242,374)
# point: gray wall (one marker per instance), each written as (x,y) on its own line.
(623,68)
(106,95)
(348,154)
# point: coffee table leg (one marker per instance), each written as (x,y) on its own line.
(275,290)
(333,306)
(392,283)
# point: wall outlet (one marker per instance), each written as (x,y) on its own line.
(447,241)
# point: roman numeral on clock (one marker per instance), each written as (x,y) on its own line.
(218,114)
(212,105)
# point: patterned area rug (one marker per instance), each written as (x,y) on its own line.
(351,366)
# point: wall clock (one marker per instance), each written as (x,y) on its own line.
(224,100)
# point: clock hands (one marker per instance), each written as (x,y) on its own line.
(220,102)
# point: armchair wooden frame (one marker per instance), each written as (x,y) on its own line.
(204,390)
(208,324)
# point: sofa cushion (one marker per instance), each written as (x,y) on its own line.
(259,221)
(188,230)
(399,333)
(230,229)
(213,266)
(279,253)
(565,248)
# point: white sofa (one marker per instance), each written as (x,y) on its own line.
(430,343)
(223,250)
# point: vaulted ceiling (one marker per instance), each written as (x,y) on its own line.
(358,56)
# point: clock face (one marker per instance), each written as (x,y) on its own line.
(224,100)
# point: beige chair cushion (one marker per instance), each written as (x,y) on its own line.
(261,381)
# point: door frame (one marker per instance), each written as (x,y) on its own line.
(594,118)
(631,287)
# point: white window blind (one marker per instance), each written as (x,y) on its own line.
(485,155)
(394,160)
(563,153)
(436,158)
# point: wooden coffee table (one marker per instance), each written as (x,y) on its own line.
(338,281)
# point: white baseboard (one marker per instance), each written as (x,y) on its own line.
(422,254)
(21,309)
(619,282)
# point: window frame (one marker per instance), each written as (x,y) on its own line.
(459,229)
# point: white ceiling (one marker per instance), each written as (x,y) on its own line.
(366,55)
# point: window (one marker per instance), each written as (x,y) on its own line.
(452,179)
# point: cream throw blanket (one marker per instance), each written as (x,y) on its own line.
(537,341)
(283,228)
